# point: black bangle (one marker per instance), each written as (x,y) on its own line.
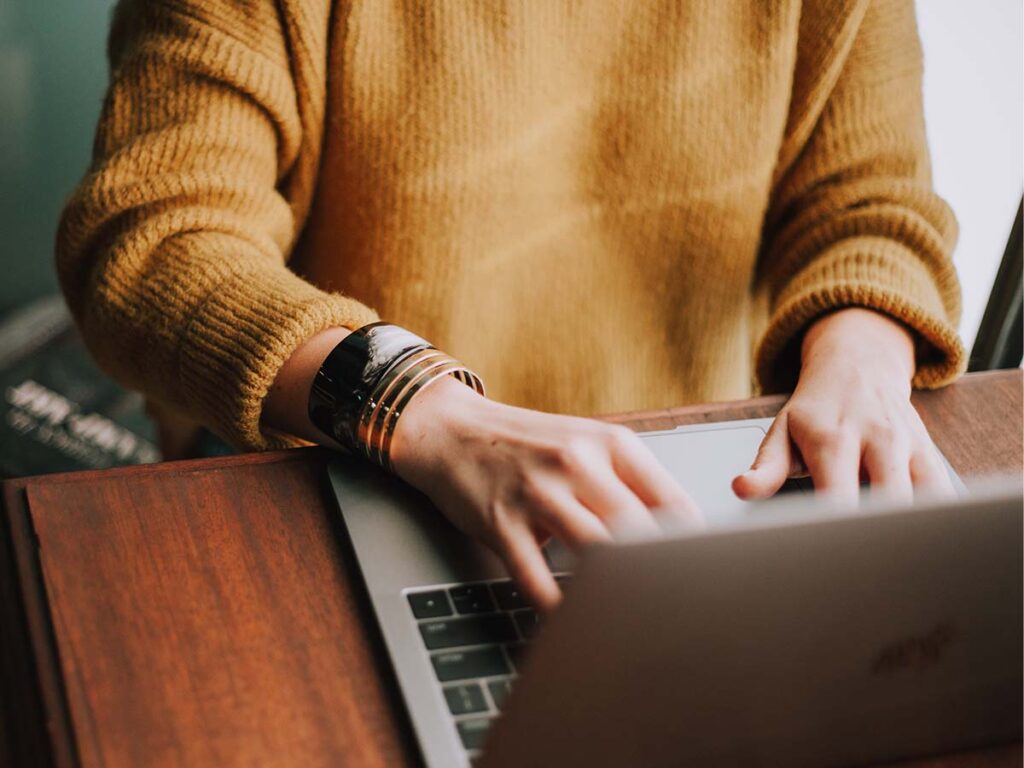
(348,375)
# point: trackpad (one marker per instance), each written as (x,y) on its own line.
(705,463)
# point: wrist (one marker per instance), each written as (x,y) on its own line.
(284,409)
(436,417)
(369,381)
(862,337)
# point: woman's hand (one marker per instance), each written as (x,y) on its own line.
(850,416)
(512,478)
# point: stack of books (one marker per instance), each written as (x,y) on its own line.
(60,412)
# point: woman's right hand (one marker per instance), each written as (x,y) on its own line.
(512,478)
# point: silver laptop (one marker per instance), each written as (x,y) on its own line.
(782,634)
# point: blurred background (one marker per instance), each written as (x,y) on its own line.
(52,79)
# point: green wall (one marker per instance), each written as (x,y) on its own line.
(52,78)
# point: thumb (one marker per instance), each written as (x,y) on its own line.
(772,465)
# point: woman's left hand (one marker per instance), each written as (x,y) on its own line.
(850,416)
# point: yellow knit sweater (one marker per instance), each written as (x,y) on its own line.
(597,205)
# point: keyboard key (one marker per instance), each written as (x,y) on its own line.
(472,598)
(475,630)
(462,665)
(515,654)
(508,596)
(465,699)
(474,732)
(499,690)
(797,485)
(527,621)
(429,605)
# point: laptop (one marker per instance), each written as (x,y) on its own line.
(782,634)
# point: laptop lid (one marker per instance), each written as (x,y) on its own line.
(834,640)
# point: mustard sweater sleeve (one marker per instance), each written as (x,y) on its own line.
(172,252)
(853,219)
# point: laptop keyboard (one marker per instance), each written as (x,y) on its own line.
(475,635)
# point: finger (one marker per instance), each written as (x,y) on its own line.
(572,523)
(526,565)
(833,461)
(887,466)
(604,494)
(772,466)
(928,473)
(654,485)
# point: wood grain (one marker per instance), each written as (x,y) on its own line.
(209,613)
(207,617)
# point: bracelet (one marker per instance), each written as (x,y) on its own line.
(347,376)
(408,378)
(368,380)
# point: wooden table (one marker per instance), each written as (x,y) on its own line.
(208,612)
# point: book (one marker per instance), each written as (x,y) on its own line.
(60,412)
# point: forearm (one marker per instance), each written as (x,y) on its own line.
(286,406)
(854,221)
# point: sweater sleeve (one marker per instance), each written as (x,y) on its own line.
(172,252)
(853,220)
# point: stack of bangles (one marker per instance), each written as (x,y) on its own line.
(367,382)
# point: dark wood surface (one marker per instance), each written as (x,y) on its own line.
(209,613)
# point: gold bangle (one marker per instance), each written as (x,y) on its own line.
(413,382)
(396,389)
(455,369)
(380,397)
(381,415)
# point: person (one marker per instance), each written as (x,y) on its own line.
(596,206)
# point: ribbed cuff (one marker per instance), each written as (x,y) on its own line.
(242,334)
(878,274)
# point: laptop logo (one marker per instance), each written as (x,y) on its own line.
(915,652)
